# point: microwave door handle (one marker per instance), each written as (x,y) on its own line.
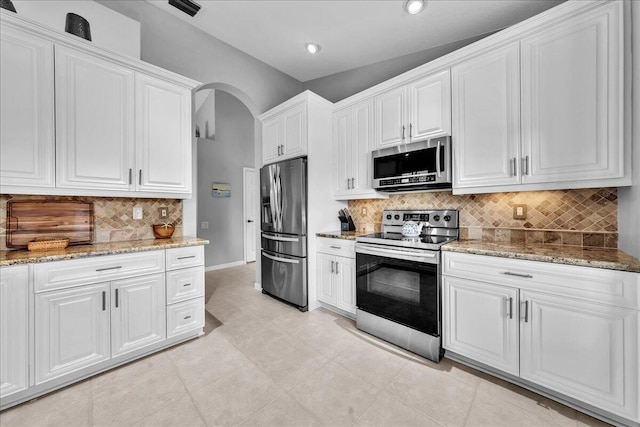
(438,148)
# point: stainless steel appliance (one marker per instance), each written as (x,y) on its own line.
(423,166)
(398,281)
(283,215)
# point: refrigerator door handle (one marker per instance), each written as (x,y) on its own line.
(278,259)
(280,239)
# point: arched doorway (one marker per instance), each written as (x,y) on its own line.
(227,145)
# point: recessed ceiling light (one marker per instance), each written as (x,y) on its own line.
(312,48)
(414,6)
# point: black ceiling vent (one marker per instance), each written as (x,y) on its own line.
(187,6)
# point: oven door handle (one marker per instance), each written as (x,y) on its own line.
(428,257)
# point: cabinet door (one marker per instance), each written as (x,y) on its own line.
(94,122)
(362,143)
(295,131)
(163,140)
(572,96)
(14,332)
(430,107)
(346,284)
(390,118)
(71,330)
(326,282)
(486,119)
(342,151)
(584,350)
(26,110)
(271,139)
(481,322)
(138,313)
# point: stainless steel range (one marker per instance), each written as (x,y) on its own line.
(398,279)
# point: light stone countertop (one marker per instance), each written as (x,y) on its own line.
(344,235)
(610,259)
(82,251)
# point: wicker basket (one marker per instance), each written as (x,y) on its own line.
(45,245)
(163,231)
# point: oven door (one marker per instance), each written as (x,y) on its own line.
(399,284)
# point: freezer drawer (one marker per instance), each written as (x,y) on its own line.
(284,244)
(285,277)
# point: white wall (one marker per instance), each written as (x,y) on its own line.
(206,113)
(109,29)
(629,197)
(222,160)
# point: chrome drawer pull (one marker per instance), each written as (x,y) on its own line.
(526,276)
(108,268)
(186,284)
(187,317)
(186,257)
(335,247)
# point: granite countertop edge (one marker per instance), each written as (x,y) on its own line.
(343,235)
(8,258)
(605,258)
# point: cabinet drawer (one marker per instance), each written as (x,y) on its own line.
(338,247)
(185,284)
(191,256)
(599,285)
(64,274)
(185,316)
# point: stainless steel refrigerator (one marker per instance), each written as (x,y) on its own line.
(283,215)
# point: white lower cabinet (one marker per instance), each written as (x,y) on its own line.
(71,330)
(336,273)
(14,332)
(137,313)
(92,314)
(573,331)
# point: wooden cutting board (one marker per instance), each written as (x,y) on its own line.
(29,220)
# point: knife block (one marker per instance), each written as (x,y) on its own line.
(347,224)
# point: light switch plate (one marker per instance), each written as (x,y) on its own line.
(519,211)
(137,213)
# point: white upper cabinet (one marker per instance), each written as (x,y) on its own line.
(572,93)
(352,146)
(391,113)
(163,143)
(430,107)
(486,119)
(26,110)
(414,112)
(94,122)
(284,132)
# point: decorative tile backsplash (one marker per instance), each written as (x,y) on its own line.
(585,217)
(113,220)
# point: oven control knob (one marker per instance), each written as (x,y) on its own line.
(447,218)
(389,216)
(396,217)
(436,217)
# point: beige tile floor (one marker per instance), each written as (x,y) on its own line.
(263,363)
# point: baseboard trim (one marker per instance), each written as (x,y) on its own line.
(258,286)
(221,266)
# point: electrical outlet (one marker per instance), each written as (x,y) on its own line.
(364,211)
(137,213)
(519,211)
(163,212)
(204,224)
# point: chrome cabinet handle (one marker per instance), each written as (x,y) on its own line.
(332,269)
(130,175)
(337,264)
(140,177)
(353,183)
(410,130)
(510,308)
(525,165)
(403,132)
(513,167)
(348,184)
(186,257)
(104,300)
(526,312)
(117,302)
(108,268)
(526,276)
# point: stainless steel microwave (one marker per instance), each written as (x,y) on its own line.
(418,166)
